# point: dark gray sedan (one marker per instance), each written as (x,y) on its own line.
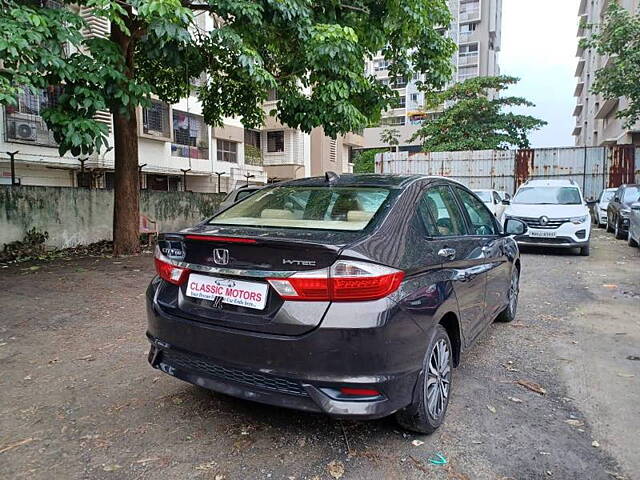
(351,295)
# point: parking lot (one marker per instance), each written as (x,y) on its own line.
(78,399)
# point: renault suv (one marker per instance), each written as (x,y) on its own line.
(555,212)
(352,295)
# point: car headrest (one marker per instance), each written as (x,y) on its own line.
(358,216)
(276,213)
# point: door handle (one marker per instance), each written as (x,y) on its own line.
(448,253)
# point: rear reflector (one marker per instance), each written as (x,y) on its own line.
(212,238)
(169,272)
(345,281)
(360,392)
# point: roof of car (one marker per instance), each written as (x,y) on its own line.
(362,179)
(550,183)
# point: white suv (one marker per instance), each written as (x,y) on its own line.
(555,212)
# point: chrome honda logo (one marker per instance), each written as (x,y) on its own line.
(221,256)
(544,220)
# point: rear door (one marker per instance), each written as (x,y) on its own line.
(483,228)
(462,260)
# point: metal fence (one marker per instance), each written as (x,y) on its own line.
(593,168)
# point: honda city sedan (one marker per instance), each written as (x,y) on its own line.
(352,295)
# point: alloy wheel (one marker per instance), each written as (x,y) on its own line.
(438,379)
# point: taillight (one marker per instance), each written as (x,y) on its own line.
(345,281)
(168,271)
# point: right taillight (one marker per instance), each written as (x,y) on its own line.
(345,281)
(168,271)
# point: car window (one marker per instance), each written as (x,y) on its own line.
(631,194)
(244,194)
(607,195)
(482,220)
(440,213)
(496,197)
(316,208)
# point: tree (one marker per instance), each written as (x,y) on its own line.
(473,117)
(311,53)
(390,136)
(619,39)
(365,160)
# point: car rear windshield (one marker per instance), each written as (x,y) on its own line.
(548,196)
(316,208)
(607,195)
(484,196)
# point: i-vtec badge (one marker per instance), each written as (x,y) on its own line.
(300,263)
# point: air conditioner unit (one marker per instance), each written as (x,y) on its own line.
(25,131)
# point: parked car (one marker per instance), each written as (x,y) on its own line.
(554,211)
(237,195)
(634,225)
(599,207)
(355,300)
(504,195)
(492,200)
(619,209)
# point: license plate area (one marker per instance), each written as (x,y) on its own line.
(542,233)
(229,291)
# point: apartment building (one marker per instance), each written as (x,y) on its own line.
(596,122)
(476,29)
(177,149)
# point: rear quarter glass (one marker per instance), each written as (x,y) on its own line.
(346,208)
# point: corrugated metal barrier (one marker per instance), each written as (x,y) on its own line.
(593,168)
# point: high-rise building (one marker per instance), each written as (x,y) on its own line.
(596,122)
(476,29)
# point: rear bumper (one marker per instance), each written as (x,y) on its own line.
(384,352)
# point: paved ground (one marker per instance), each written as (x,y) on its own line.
(77,399)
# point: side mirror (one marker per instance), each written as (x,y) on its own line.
(635,206)
(513,226)
(506,201)
(507,196)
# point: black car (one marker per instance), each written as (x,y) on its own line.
(351,295)
(619,209)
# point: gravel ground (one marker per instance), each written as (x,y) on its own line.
(78,400)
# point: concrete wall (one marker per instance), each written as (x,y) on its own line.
(77,216)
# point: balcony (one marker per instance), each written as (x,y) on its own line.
(579,88)
(606,108)
(469,59)
(469,11)
(582,9)
(580,67)
(577,130)
(578,110)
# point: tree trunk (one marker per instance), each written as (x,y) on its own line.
(126,194)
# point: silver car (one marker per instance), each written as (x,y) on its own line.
(634,225)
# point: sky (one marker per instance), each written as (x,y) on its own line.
(539,46)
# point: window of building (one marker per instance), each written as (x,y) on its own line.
(467,72)
(399,82)
(190,136)
(332,150)
(252,147)
(155,119)
(227,151)
(469,49)
(24,121)
(393,121)
(381,64)
(468,28)
(413,97)
(275,141)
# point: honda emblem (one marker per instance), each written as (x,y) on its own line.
(221,256)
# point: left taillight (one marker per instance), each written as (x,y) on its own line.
(168,271)
(344,281)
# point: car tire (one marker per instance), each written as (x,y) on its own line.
(619,234)
(509,313)
(584,251)
(631,241)
(609,227)
(428,408)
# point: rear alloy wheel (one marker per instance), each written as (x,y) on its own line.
(509,313)
(619,233)
(431,399)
